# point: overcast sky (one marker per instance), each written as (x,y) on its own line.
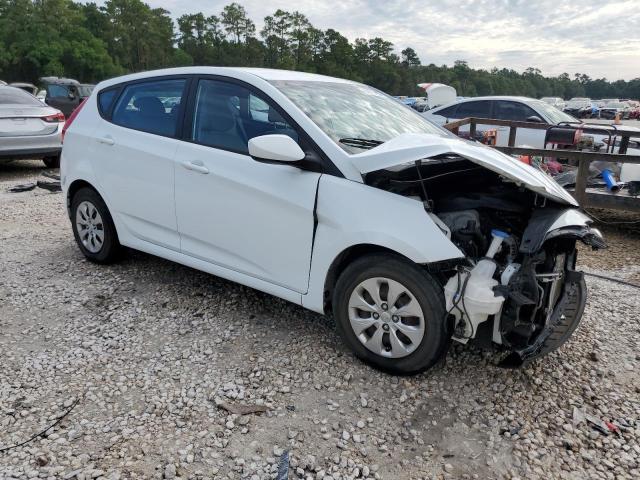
(598,37)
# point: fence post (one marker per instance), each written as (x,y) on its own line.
(580,192)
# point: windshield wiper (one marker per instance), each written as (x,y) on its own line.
(361,142)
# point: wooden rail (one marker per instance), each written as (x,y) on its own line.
(586,197)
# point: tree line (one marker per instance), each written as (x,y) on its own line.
(90,42)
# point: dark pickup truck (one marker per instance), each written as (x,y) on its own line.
(65,94)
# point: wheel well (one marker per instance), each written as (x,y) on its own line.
(73,189)
(343,260)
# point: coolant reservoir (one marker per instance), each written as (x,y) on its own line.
(478,300)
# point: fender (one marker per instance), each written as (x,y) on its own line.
(351,213)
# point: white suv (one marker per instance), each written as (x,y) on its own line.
(332,195)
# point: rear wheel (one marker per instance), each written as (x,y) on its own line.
(52,162)
(93,227)
(390,312)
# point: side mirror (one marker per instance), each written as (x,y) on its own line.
(534,119)
(275,148)
(71,96)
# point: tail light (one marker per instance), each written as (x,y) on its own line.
(72,117)
(55,118)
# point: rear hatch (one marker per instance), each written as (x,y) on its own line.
(24,120)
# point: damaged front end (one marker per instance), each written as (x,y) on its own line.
(517,286)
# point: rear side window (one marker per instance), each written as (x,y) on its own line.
(517,111)
(449,112)
(150,106)
(479,109)
(105,99)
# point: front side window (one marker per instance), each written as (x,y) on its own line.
(150,106)
(354,116)
(228,115)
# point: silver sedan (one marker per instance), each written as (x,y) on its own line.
(29,128)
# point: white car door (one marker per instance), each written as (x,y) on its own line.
(251,217)
(133,160)
(518,111)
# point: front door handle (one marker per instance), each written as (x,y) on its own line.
(106,140)
(196,166)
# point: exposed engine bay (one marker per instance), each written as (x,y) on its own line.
(517,287)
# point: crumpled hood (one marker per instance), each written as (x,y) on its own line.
(409,147)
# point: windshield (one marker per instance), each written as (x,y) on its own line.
(553,114)
(577,104)
(15,96)
(615,105)
(355,116)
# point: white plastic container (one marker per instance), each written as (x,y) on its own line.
(630,172)
(479,299)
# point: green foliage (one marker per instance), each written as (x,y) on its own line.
(91,42)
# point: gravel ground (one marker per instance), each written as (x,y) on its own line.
(151,351)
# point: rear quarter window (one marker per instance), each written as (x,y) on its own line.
(105,100)
(448,112)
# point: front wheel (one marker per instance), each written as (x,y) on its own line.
(390,312)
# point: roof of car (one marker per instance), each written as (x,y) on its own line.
(268,74)
(491,97)
(498,97)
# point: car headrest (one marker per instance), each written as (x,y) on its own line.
(216,114)
(149,105)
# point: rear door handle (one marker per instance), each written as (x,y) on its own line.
(196,166)
(106,140)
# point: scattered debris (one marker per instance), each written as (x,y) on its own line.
(37,435)
(24,187)
(241,409)
(52,176)
(283,466)
(51,186)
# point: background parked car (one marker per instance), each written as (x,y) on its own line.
(520,109)
(28,127)
(579,107)
(27,87)
(610,110)
(65,94)
(554,101)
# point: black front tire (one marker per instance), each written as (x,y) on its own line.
(52,162)
(424,289)
(110,249)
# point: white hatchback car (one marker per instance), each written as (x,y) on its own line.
(286,182)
